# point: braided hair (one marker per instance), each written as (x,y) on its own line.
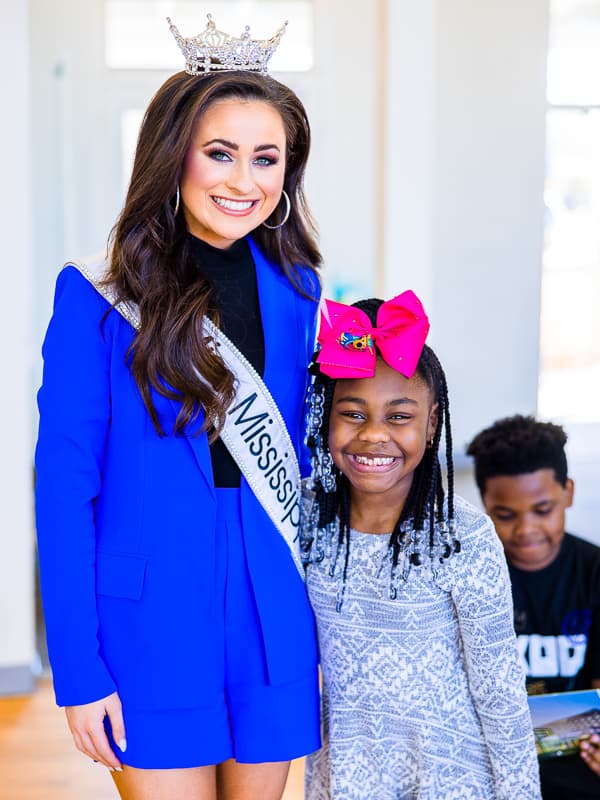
(423,521)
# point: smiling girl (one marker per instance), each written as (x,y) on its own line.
(423,692)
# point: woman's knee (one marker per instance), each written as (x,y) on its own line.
(237,781)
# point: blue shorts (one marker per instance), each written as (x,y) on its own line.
(249,720)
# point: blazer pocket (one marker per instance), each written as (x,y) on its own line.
(120,575)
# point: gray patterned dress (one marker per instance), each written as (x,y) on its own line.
(423,696)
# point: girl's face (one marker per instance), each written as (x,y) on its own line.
(379,429)
(234,169)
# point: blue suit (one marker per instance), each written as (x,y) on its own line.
(125,517)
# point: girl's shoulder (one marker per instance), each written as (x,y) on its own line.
(468,516)
(472,524)
(477,535)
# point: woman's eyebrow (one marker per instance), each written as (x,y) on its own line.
(234,146)
(231,145)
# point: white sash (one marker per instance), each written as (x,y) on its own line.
(254,432)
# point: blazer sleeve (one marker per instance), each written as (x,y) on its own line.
(75,411)
(483,602)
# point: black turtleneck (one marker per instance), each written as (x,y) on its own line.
(232,273)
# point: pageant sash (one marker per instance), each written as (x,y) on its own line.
(254,432)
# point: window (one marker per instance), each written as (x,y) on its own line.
(570,319)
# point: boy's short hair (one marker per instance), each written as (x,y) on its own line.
(518,445)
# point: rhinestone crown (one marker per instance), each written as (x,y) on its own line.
(216,51)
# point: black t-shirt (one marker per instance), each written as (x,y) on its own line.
(557,621)
(232,273)
(557,618)
(568,778)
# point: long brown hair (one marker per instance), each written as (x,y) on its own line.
(149,255)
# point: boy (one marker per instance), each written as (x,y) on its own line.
(521,472)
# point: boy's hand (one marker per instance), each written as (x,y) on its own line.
(590,752)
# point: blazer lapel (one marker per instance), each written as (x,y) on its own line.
(278,314)
(200,449)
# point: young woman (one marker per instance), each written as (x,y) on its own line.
(180,635)
(423,692)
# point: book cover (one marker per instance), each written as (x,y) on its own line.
(562,721)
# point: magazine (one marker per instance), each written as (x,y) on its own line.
(562,721)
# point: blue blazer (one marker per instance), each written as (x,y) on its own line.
(122,512)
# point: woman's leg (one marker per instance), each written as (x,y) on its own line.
(251,781)
(197,783)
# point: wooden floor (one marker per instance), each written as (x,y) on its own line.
(38,760)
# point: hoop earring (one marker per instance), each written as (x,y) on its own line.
(177,200)
(287,213)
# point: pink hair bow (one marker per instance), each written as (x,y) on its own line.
(348,338)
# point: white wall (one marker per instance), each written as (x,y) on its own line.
(342,177)
(16,535)
(465,148)
(410,93)
(488,209)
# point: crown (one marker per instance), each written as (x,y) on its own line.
(216,51)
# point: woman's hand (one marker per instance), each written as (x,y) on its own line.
(87,726)
(590,752)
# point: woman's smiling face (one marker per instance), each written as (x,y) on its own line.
(234,170)
(379,429)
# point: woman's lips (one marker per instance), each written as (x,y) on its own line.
(236,208)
